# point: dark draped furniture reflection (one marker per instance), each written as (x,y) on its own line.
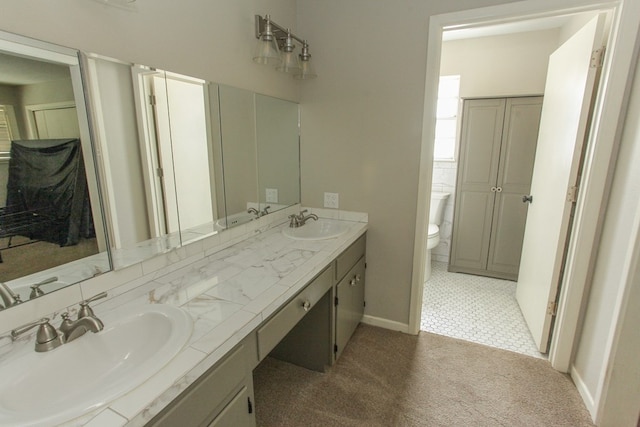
(47,196)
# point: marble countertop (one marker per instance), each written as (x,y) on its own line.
(228,294)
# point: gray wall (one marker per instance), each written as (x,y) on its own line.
(362,126)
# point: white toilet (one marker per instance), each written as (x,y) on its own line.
(436,212)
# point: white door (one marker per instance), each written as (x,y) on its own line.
(568,96)
(57,123)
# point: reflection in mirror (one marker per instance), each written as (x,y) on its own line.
(278,148)
(239,152)
(163,138)
(154,132)
(51,232)
(260,148)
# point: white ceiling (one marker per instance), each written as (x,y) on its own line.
(15,70)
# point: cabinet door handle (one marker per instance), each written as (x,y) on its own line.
(494,189)
(306,305)
(357,278)
(352,282)
(499,189)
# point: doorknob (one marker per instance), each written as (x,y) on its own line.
(527,199)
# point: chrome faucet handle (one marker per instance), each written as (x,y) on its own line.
(47,338)
(265,211)
(294,221)
(35,289)
(85,310)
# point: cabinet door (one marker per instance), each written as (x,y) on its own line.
(518,149)
(482,123)
(349,305)
(239,412)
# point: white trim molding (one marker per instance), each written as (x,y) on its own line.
(385,324)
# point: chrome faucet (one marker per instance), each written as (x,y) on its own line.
(9,298)
(87,321)
(254,211)
(35,289)
(300,219)
(265,211)
(48,337)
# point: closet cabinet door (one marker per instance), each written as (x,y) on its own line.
(519,139)
(482,123)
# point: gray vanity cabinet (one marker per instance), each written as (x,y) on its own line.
(311,329)
(223,396)
(349,293)
(497,152)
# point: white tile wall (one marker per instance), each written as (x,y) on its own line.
(444,180)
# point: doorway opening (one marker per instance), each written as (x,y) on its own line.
(490,171)
(577,259)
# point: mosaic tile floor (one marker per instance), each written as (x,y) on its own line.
(477,309)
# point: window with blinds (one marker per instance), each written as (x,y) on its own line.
(5,133)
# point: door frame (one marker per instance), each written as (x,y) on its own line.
(606,127)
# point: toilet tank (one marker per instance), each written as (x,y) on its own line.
(436,211)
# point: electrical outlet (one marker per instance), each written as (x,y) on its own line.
(331,200)
(272,195)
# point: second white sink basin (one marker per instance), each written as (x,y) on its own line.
(316,230)
(44,389)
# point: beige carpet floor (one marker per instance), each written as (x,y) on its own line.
(386,378)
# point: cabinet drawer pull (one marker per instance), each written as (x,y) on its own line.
(357,278)
(353,281)
(306,305)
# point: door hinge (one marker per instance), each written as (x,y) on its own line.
(552,308)
(572,194)
(365,265)
(335,348)
(249,405)
(364,303)
(335,301)
(152,100)
(160,172)
(597,58)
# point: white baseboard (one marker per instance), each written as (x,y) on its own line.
(386,324)
(587,398)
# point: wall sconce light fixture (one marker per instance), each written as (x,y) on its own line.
(276,47)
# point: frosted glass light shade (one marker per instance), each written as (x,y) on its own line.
(306,72)
(267,52)
(289,63)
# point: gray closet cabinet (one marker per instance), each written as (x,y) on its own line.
(497,152)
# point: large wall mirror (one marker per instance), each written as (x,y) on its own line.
(184,158)
(178,158)
(51,223)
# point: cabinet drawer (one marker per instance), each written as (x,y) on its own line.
(350,256)
(270,334)
(214,389)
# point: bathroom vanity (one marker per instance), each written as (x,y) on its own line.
(311,329)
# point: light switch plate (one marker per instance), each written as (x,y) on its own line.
(331,200)
(272,195)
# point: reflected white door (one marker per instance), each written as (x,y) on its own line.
(568,95)
(57,123)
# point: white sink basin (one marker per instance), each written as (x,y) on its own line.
(44,389)
(316,230)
